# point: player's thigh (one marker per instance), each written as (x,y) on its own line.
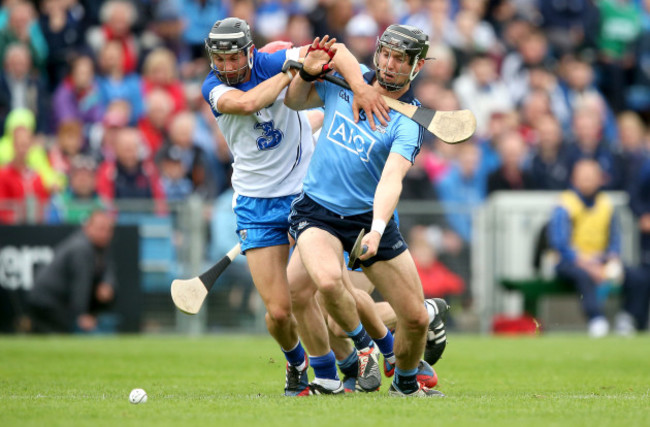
(398,282)
(321,254)
(268,268)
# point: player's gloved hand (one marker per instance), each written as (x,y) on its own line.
(367,98)
(317,60)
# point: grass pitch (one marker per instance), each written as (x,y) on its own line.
(238,380)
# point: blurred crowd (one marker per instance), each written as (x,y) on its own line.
(100,100)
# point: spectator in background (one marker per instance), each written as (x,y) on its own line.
(159,71)
(101,142)
(21,27)
(470,35)
(194,160)
(78,97)
(79,284)
(511,175)
(632,153)
(37,159)
(480,89)
(588,142)
(21,188)
(437,280)
(298,30)
(118,18)
(115,84)
(620,26)
(64,33)
(549,165)
(434,18)
(442,70)
(361,37)
(80,198)
(532,50)
(584,230)
(640,205)
(173,175)
(569,25)
(578,85)
(128,177)
(154,123)
(20,87)
(68,144)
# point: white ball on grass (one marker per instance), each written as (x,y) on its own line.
(138,396)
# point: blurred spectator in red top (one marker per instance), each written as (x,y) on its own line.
(18,183)
(78,97)
(160,71)
(437,279)
(118,17)
(128,177)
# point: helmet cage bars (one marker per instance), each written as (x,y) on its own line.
(227,37)
(403,40)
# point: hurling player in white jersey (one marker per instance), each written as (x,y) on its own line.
(354,181)
(271,147)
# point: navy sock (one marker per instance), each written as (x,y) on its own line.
(406,381)
(360,337)
(350,365)
(385,345)
(295,356)
(324,366)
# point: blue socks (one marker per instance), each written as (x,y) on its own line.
(385,346)
(350,365)
(324,366)
(295,356)
(360,337)
(406,381)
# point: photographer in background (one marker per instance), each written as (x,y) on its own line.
(79,284)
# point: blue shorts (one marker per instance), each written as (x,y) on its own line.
(306,213)
(262,222)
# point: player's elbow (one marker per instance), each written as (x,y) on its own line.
(249,106)
(291,103)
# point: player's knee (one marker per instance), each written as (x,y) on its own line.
(300,297)
(416,321)
(330,285)
(279,314)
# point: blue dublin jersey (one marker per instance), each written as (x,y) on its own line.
(349,157)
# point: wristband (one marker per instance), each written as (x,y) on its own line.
(289,74)
(308,77)
(378,225)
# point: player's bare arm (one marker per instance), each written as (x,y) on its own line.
(251,101)
(387,195)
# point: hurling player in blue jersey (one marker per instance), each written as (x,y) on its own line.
(354,181)
(271,147)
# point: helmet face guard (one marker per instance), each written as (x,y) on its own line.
(400,41)
(230,36)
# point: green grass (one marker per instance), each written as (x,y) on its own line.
(238,380)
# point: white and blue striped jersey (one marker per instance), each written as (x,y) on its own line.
(271,148)
(349,157)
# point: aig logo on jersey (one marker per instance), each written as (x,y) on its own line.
(347,134)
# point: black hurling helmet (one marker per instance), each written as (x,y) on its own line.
(403,39)
(227,36)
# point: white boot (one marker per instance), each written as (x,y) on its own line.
(624,324)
